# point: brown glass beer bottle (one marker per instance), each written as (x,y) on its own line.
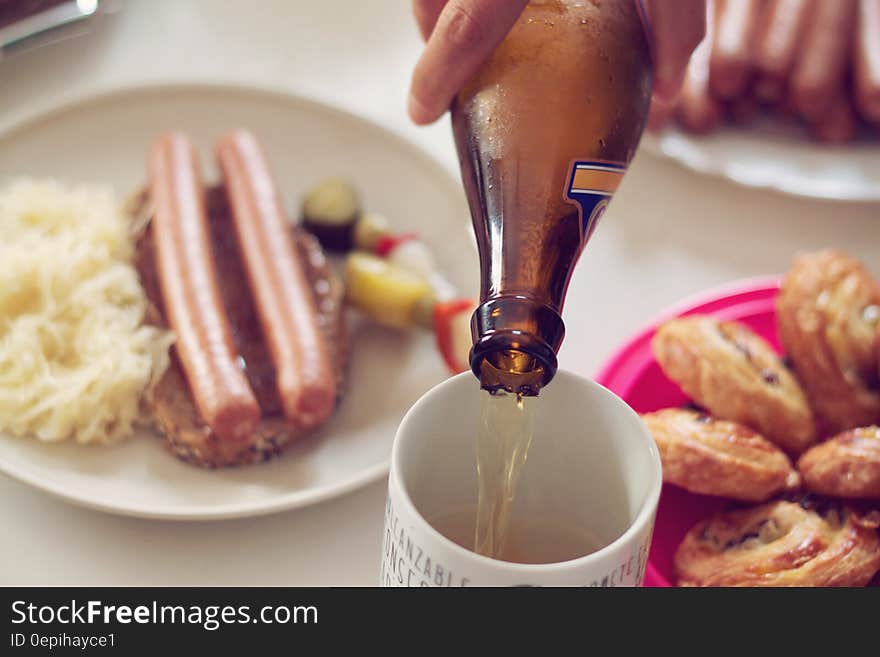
(544,133)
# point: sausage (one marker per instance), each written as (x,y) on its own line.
(776,45)
(742,110)
(697,110)
(785,108)
(660,114)
(866,64)
(730,65)
(838,125)
(823,57)
(285,304)
(191,295)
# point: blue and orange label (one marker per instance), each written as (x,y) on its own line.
(591,186)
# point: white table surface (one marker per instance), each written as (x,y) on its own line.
(669,233)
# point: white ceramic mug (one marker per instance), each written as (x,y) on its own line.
(591,459)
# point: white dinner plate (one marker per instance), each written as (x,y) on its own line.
(775,155)
(105,140)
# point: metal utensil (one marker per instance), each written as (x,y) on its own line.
(48,23)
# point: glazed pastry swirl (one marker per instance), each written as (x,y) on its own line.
(781,544)
(847,465)
(718,457)
(829,313)
(733,373)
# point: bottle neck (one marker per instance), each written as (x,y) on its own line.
(515,344)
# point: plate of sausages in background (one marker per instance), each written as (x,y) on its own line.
(782,94)
(233,337)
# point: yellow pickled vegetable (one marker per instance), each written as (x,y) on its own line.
(388,294)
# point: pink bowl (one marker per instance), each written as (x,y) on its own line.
(634,375)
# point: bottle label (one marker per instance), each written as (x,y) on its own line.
(591,186)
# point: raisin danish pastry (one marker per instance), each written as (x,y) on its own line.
(847,465)
(781,544)
(717,457)
(733,373)
(828,313)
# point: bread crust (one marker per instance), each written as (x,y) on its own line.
(717,457)
(736,375)
(781,543)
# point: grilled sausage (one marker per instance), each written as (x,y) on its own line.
(285,304)
(730,65)
(838,125)
(744,109)
(866,66)
(697,110)
(823,56)
(190,292)
(776,46)
(660,114)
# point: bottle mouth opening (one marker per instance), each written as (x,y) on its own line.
(515,344)
(521,370)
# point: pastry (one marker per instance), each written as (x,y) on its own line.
(734,374)
(847,465)
(718,457)
(781,544)
(828,313)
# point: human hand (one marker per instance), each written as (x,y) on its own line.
(461,34)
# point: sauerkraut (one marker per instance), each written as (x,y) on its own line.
(75,355)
